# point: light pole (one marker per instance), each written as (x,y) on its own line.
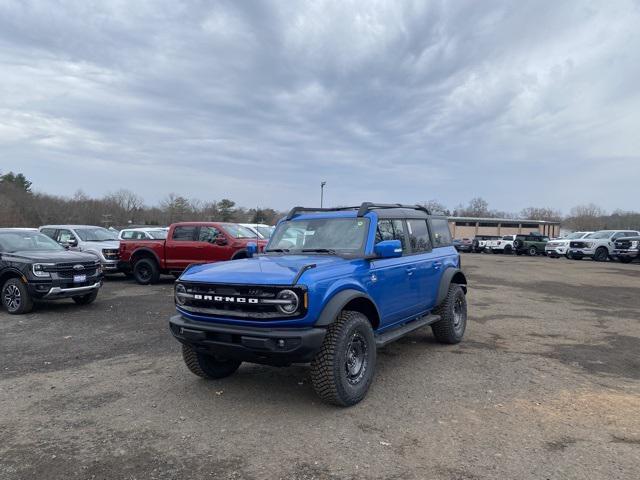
(322,184)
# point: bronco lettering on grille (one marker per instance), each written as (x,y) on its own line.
(218,298)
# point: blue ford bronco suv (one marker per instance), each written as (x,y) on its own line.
(331,286)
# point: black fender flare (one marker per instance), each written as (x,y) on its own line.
(145,251)
(446,280)
(338,302)
(11,272)
(240,254)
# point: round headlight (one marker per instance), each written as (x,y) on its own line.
(292,301)
(180,294)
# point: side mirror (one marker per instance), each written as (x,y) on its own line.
(72,243)
(388,249)
(252,249)
(221,241)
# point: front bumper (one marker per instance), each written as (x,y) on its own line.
(56,289)
(110,266)
(560,250)
(270,346)
(630,253)
(582,252)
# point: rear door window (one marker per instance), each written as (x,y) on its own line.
(184,234)
(49,232)
(441,232)
(419,235)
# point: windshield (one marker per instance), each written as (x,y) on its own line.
(321,235)
(238,231)
(603,234)
(27,242)
(96,234)
(574,235)
(266,232)
(157,234)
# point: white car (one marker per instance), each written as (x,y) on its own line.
(501,245)
(143,233)
(260,229)
(559,247)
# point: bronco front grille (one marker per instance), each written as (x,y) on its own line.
(250,302)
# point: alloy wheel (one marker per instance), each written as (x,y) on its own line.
(12,298)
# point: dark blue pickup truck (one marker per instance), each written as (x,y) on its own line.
(331,287)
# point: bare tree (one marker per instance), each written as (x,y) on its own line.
(436,207)
(540,213)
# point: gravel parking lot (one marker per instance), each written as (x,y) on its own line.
(545,385)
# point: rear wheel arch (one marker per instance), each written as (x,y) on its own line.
(144,253)
(450,275)
(351,300)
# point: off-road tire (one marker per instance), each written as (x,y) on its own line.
(146,271)
(532,251)
(86,299)
(11,289)
(329,367)
(450,328)
(625,259)
(601,254)
(208,366)
(508,250)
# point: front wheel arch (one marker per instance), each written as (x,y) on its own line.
(352,300)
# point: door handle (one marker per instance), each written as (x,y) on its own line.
(410,270)
(437,265)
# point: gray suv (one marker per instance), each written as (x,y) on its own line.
(101,242)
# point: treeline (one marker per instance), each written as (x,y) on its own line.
(21,207)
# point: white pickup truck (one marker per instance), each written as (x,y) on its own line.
(500,245)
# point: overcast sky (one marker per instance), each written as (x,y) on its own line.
(522,103)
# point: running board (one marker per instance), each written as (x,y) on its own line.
(393,335)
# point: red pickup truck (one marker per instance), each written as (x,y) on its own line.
(186,243)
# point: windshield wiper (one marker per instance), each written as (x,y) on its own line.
(284,250)
(330,251)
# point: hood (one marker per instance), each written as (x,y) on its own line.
(113,244)
(61,256)
(262,269)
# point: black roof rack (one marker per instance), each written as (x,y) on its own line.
(363,209)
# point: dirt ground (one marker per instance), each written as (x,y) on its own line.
(546,385)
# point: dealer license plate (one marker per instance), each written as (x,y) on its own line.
(79,278)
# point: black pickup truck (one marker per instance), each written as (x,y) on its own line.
(34,267)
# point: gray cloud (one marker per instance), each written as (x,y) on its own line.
(534,103)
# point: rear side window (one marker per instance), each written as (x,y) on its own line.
(419,235)
(441,232)
(391,230)
(49,232)
(184,234)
